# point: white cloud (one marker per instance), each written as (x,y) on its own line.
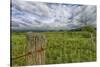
(45,16)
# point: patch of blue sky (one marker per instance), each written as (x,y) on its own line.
(19,13)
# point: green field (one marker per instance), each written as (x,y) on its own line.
(61,47)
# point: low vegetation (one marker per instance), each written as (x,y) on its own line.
(61,47)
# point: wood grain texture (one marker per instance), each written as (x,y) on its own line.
(36,44)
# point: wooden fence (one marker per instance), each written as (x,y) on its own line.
(36,44)
(35,51)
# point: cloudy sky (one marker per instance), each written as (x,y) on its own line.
(42,16)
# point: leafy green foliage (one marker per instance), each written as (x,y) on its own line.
(86,28)
(89,29)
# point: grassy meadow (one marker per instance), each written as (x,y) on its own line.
(61,47)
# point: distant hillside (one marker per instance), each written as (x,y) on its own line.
(86,28)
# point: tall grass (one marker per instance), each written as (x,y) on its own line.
(61,47)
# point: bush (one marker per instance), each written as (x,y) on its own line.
(89,29)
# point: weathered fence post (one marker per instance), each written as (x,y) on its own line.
(36,48)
